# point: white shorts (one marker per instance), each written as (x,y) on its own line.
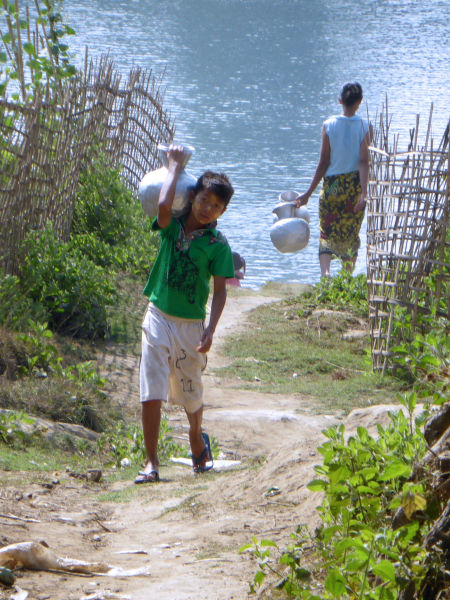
(171,368)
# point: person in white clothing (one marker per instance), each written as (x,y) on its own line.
(344,167)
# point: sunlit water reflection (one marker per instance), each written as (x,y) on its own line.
(249,83)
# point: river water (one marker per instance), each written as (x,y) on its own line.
(249,83)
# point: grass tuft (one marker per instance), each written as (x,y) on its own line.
(301,348)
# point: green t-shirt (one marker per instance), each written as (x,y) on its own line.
(179,280)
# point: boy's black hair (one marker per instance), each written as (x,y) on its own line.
(351,92)
(216,182)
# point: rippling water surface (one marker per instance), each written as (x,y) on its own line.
(249,83)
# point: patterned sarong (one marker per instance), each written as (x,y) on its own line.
(339,225)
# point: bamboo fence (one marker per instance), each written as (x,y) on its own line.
(407,231)
(46,142)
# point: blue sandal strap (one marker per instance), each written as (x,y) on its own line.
(206,453)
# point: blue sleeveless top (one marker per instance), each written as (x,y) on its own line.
(346,135)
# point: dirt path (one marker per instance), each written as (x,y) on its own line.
(186,530)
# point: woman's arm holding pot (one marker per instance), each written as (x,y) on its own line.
(363,172)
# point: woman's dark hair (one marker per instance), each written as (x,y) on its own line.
(216,182)
(351,93)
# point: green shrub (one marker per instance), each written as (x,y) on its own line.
(421,347)
(125,441)
(67,285)
(42,355)
(109,225)
(103,205)
(16,307)
(40,68)
(357,552)
(423,359)
(11,430)
(342,292)
(65,399)
(13,354)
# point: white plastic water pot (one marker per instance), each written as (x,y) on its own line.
(286,210)
(290,235)
(151,184)
(288,196)
(301,212)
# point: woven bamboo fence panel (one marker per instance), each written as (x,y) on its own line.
(45,144)
(407,232)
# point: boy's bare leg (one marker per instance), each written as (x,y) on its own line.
(195,432)
(151,419)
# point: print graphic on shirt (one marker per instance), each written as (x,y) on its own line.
(183,275)
(187,385)
(182,357)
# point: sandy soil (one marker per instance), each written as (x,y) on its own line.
(187,529)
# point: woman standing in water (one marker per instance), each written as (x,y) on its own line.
(344,166)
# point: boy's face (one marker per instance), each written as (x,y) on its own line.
(207,207)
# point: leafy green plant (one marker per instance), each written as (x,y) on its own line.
(425,361)
(356,553)
(71,289)
(104,204)
(41,359)
(16,307)
(84,372)
(342,292)
(421,348)
(34,64)
(11,426)
(260,550)
(125,441)
(215,448)
(167,446)
(109,225)
(42,355)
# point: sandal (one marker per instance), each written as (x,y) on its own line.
(199,463)
(151,477)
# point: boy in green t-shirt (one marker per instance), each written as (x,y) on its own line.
(174,338)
